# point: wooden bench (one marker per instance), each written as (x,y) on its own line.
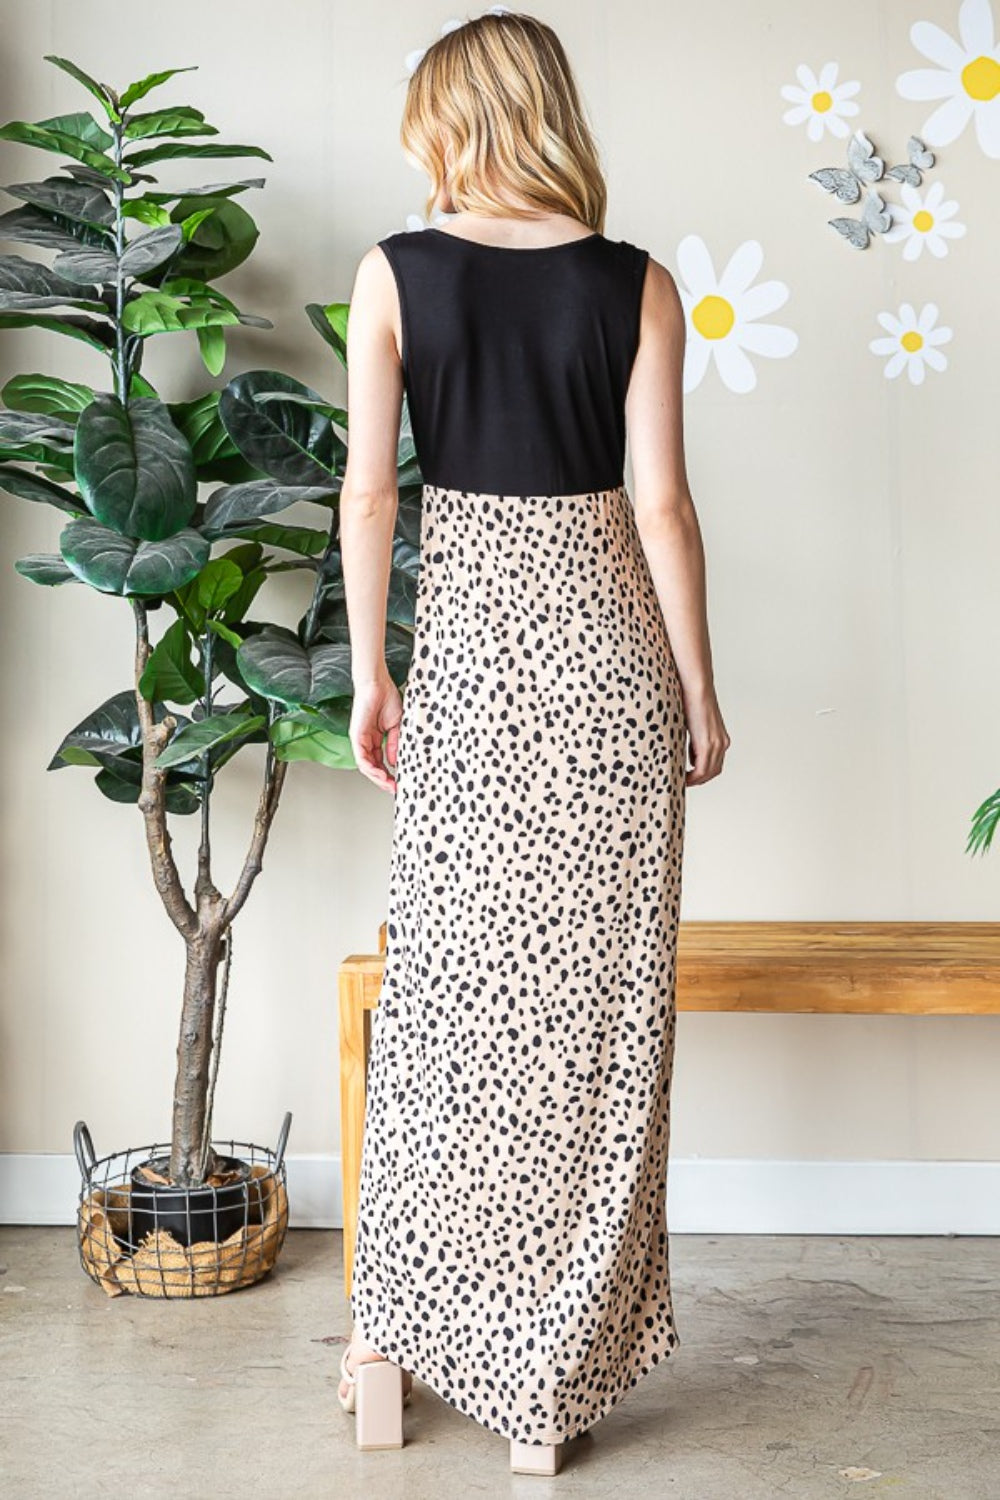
(830,968)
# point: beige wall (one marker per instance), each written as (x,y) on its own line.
(850,522)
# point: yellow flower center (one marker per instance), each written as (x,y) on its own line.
(911,341)
(713,317)
(981,78)
(923,220)
(822,101)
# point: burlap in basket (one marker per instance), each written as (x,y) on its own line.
(160,1266)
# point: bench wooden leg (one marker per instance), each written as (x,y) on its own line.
(354,1030)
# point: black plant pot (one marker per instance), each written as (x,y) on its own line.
(195,1214)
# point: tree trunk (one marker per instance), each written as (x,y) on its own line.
(205,951)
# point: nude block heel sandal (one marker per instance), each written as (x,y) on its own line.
(536,1458)
(375,1396)
(379,1410)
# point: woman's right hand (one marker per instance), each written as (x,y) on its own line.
(708,738)
(377,711)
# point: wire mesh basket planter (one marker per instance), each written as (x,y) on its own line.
(138,1233)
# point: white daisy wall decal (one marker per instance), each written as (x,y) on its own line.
(924,221)
(912,342)
(819,101)
(722,313)
(966,77)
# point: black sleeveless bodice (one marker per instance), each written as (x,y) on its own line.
(516,362)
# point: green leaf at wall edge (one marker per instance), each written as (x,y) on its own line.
(115,564)
(306,734)
(330,322)
(135,470)
(171,675)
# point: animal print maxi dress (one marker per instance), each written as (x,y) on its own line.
(512,1248)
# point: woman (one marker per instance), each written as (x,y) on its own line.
(512,1243)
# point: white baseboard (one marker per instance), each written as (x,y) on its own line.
(726,1196)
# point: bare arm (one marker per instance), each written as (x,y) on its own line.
(368,502)
(665,513)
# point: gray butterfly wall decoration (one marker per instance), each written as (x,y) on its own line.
(864,168)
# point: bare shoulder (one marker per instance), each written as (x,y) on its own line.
(660,294)
(373,269)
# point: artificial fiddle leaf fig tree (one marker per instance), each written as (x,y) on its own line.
(124,468)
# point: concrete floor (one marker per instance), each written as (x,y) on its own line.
(811,1366)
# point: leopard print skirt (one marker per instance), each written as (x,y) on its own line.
(512,1248)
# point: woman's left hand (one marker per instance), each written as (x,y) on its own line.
(377,711)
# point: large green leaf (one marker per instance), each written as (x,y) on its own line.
(168,150)
(45,567)
(178,119)
(330,322)
(288,440)
(158,312)
(135,470)
(144,254)
(100,91)
(212,347)
(307,542)
(195,739)
(25,285)
(109,731)
(171,675)
(97,335)
(29,486)
(307,734)
(35,227)
(117,564)
(220,243)
(82,126)
(45,393)
(216,456)
(209,190)
(140,89)
(278,666)
(63,141)
(333,631)
(18,428)
(240,504)
(82,202)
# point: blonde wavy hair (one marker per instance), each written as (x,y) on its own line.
(493,112)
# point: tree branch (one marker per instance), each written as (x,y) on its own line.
(267,806)
(152,796)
